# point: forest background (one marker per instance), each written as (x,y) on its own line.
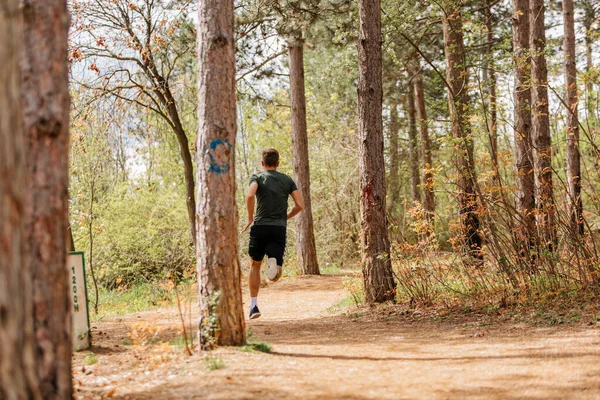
(132,150)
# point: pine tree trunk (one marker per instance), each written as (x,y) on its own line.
(525,197)
(305,236)
(46,123)
(377,268)
(589,17)
(541,139)
(18,377)
(428,194)
(491,84)
(413,145)
(219,275)
(457,77)
(573,155)
(393,176)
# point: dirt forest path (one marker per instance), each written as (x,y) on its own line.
(320,354)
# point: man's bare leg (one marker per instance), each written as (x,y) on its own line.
(254,285)
(254,278)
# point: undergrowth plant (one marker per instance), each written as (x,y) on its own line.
(353,284)
(209,325)
(255,345)
(146,345)
(181,295)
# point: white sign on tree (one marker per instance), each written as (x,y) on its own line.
(78,291)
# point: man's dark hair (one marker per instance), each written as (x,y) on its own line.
(270,157)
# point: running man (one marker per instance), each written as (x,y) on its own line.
(268,234)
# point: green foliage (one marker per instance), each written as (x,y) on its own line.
(90,359)
(123,301)
(144,242)
(209,323)
(344,304)
(213,363)
(129,218)
(253,345)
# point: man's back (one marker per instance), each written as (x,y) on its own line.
(274,189)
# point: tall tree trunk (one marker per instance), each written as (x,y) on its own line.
(305,236)
(428,194)
(541,139)
(377,267)
(46,123)
(219,275)
(589,16)
(18,377)
(491,84)
(413,144)
(457,77)
(573,155)
(525,197)
(393,176)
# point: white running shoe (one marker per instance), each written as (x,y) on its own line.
(272,269)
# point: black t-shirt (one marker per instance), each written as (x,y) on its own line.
(274,189)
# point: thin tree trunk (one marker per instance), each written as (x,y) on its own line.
(377,268)
(541,139)
(525,196)
(589,17)
(413,145)
(46,123)
(305,236)
(393,176)
(491,84)
(428,194)
(219,275)
(188,165)
(457,77)
(573,155)
(18,377)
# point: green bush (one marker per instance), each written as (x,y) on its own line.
(139,235)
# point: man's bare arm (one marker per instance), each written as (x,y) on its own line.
(299,204)
(250,202)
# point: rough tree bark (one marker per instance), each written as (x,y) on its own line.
(305,236)
(46,105)
(18,377)
(540,138)
(458,96)
(525,197)
(413,144)
(377,268)
(393,176)
(219,275)
(573,154)
(426,159)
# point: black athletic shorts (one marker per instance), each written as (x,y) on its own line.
(269,240)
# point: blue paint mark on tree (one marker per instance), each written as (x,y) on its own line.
(218,154)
